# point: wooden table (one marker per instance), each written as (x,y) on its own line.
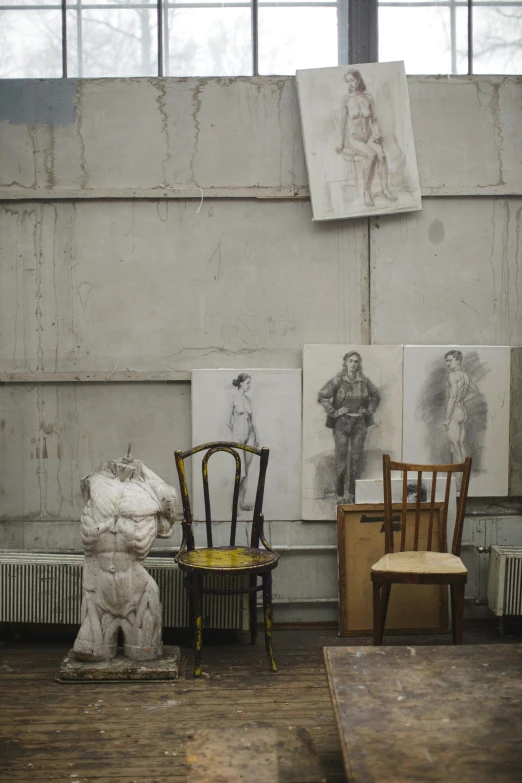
(426,714)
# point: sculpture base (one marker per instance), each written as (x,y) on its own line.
(121,668)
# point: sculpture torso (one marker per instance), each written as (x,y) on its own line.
(127,507)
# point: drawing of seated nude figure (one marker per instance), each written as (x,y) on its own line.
(361,135)
(459,388)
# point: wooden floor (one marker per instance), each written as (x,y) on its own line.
(138,732)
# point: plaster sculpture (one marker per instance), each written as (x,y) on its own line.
(127,507)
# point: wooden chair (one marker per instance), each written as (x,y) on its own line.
(427,566)
(251,561)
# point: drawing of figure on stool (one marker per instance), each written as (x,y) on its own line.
(127,508)
(361,137)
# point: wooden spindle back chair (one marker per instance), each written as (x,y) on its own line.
(251,561)
(431,564)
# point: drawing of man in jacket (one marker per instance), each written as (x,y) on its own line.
(350,399)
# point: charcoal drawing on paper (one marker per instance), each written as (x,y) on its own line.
(352,402)
(257,408)
(358,140)
(456,404)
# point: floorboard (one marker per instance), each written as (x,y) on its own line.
(137,732)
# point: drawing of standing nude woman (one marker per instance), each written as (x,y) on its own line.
(243,430)
(459,388)
(361,135)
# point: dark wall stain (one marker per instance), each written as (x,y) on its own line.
(33,101)
(436,231)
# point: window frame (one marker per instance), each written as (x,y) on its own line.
(357,29)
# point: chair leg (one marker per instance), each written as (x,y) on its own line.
(377,621)
(252,603)
(452,606)
(267,612)
(385,599)
(197,593)
(189,584)
(458,612)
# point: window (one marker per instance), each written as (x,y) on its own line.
(103,38)
(452,36)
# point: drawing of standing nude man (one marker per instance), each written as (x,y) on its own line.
(460,388)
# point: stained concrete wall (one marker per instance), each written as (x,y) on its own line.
(148,286)
(242,137)
(116,279)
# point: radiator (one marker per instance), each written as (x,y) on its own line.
(47,588)
(505,580)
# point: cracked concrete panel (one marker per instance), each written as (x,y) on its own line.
(467,134)
(58,158)
(17,157)
(448,274)
(119,133)
(20,286)
(515,431)
(53,434)
(158,286)
(237,137)
(177,102)
(149,135)
(510,105)
(22,484)
(39,320)
(246,132)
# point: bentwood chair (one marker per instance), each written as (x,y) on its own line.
(432,564)
(252,561)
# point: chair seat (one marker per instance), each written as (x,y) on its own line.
(228,558)
(420,563)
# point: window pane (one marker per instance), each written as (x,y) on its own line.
(292,38)
(56,3)
(209,42)
(429,40)
(119,42)
(86,4)
(177,3)
(30,44)
(497,35)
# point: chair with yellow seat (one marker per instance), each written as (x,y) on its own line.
(414,566)
(253,561)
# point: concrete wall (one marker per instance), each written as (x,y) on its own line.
(151,226)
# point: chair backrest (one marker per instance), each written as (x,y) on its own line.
(433,508)
(233,449)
